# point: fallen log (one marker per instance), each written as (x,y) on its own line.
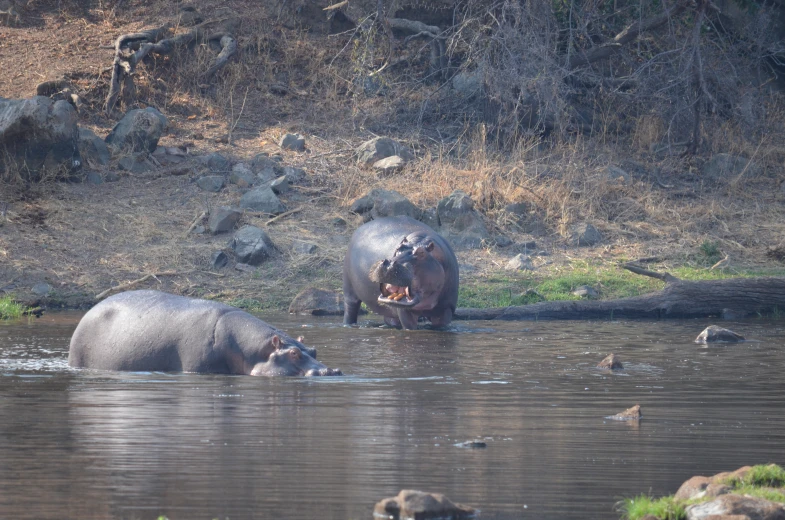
(679,299)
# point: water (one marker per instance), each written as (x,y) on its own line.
(92,445)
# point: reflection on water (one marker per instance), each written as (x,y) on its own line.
(88,444)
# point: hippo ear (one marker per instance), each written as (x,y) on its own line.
(276,341)
(429,246)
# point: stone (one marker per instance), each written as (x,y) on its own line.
(93,149)
(461,225)
(262,199)
(40,134)
(266,168)
(294,142)
(243,177)
(584,234)
(392,164)
(611,362)
(280,185)
(732,505)
(420,505)
(338,223)
(724,166)
(135,163)
(93,178)
(212,183)
(630,414)
(501,241)
(586,291)
(138,131)
(219,259)
(244,267)
(252,245)
(41,289)
(379,148)
(223,219)
(294,175)
(198,230)
(304,248)
(380,203)
(218,163)
(520,262)
(468,84)
(317,302)
(713,333)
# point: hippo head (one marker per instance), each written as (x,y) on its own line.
(414,277)
(292,361)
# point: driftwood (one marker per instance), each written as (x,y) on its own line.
(679,299)
(130,49)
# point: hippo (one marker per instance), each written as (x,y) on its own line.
(402,269)
(156,331)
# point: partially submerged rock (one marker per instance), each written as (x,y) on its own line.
(630,414)
(317,302)
(420,505)
(733,507)
(611,362)
(713,333)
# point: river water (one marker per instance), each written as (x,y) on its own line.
(81,444)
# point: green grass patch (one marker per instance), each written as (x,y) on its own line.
(770,475)
(9,309)
(665,508)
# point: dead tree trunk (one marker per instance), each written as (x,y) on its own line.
(679,299)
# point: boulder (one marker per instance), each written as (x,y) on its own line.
(40,134)
(219,259)
(420,505)
(391,164)
(380,148)
(304,248)
(243,177)
(317,302)
(252,245)
(262,199)
(611,362)
(169,155)
(138,131)
(93,149)
(737,506)
(218,163)
(586,291)
(380,203)
(468,83)
(266,168)
(584,234)
(713,333)
(294,142)
(280,185)
(630,414)
(212,183)
(459,222)
(724,166)
(520,262)
(223,219)
(135,163)
(293,175)
(41,289)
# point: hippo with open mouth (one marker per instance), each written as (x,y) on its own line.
(155,331)
(402,269)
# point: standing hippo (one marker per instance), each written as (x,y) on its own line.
(402,269)
(156,331)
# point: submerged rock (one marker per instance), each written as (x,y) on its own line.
(713,333)
(421,506)
(611,362)
(630,414)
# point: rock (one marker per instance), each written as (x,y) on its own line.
(724,166)
(420,505)
(501,241)
(218,163)
(223,219)
(244,267)
(262,199)
(93,178)
(212,183)
(616,174)
(385,203)
(169,155)
(734,507)
(611,362)
(243,177)
(713,333)
(252,245)
(93,149)
(219,259)
(520,262)
(380,148)
(391,164)
(266,168)
(198,230)
(586,291)
(294,175)
(471,444)
(630,414)
(41,289)
(304,248)
(698,487)
(468,84)
(135,163)
(338,223)
(460,224)
(188,17)
(294,142)
(40,134)
(138,131)
(280,185)
(584,234)
(317,302)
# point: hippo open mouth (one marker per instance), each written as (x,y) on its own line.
(397,295)
(395,283)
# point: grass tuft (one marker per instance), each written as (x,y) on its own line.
(9,309)
(665,508)
(770,475)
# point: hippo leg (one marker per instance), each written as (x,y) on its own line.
(351,305)
(407,319)
(392,322)
(443,320)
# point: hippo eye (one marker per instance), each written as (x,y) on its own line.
(294,353)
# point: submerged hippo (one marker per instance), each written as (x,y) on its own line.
(156,331)
(402,269)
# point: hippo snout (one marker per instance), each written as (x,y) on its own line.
(324,372)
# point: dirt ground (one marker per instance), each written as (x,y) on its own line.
(83,239)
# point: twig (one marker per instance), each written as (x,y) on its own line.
(282,215)
(242,108)
(195,223)
(146,277)
(665,277)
